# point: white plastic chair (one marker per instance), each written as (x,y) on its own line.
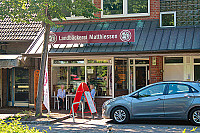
(56,101)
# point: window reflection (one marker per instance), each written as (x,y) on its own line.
(70,76)
(100,76)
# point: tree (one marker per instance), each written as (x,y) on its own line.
(26,11)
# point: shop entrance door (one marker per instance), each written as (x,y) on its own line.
(141,76)
(18,94)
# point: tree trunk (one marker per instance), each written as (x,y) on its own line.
(42,71)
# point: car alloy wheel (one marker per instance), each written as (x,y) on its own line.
(120,115)
(194,116)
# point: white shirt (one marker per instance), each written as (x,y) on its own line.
(61,93)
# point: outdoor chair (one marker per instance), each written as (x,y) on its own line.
(56,101)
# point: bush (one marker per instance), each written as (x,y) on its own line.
(16,127)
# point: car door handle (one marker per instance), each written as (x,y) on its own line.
(187,96)
(158,99)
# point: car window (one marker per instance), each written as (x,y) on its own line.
(155,90)
(178,89)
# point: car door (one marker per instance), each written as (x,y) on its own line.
(149,103)
(178,100)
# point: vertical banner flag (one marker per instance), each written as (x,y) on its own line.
(46,88)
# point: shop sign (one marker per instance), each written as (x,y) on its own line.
(6,63)
(102,36)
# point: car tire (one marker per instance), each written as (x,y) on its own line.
(120,115)
(194,116)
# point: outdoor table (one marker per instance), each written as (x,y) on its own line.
(70,96)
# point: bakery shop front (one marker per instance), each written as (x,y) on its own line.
(117,57)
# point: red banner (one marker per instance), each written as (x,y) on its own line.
(101,36)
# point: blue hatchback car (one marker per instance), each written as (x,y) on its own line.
(171,100)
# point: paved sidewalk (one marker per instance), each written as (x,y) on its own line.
(55,115)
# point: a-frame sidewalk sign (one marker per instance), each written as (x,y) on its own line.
(83,88)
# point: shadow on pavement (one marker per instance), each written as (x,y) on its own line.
(157,122)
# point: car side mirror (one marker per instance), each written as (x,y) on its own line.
(136,95)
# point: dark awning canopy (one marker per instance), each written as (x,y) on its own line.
(148,38)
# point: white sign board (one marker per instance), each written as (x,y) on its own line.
(90,102)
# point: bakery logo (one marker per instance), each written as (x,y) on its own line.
(125,35)
(52,38)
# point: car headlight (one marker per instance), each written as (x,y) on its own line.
(108,102)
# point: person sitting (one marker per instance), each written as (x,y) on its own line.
(92,88)
(61,96)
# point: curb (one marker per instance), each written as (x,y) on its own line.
(46,122)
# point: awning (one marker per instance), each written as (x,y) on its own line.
(149,37)
(9,61)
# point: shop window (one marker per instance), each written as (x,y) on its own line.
(68,61)
(125,8)
(121,73)
(99,61)
(173,60)
(167,19)
(101,78)
(196,60)
(141,61)
(70,76)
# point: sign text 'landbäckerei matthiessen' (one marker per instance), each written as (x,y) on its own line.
(101,36)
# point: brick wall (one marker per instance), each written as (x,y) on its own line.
(155,71)
(154,14)
(99,102)
(121,92)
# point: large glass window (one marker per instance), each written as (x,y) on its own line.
(121,73)
(111,7)
(137,6)
(100,76)
(70,76)
(116,7)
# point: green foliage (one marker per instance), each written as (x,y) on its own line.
(44,11)
(16,127)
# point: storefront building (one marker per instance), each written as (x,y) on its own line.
(15,75)
(166,46)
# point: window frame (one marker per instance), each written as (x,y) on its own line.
(170,12)
(125,11)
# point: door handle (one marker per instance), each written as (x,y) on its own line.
(158,99)
(187,96)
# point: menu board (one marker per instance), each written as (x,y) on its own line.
(90,102)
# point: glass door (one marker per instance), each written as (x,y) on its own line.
(21,84)
(18,87)
(139,73)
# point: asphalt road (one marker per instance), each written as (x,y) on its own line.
(100,126)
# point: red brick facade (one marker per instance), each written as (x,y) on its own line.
(156,70)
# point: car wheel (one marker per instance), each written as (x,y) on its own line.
(120,115)
(194,116)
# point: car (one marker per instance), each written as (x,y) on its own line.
(167,100)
